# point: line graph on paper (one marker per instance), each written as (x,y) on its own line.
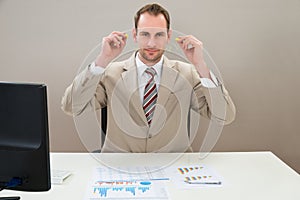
(121,184)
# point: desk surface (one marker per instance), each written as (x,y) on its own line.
(251,175)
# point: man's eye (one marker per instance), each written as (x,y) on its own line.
(160,34)
(144,34)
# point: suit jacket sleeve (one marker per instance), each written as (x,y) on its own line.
(85,93)
(213,103)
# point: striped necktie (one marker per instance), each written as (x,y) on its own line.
(150,95)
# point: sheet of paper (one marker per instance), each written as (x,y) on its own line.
(194,176)
(130,173)
(127,183)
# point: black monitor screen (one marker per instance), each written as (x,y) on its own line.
(24,139)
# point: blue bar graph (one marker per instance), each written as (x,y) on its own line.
(129,187)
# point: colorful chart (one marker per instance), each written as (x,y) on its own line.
(129,188)
(195,176)
(185,170)
(108,183)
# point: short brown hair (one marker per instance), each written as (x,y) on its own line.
(153,9)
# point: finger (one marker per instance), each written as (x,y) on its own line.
(183,41)
(180,40)
(189,46)
(116,41)
(188,42)
(118,33)
(119,39)
(107,40)
(121,35)
(123,41)
(195,42)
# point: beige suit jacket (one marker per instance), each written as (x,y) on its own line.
(127,129)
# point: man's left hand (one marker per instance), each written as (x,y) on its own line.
(193,50)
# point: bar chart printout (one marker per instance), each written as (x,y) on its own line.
(120,188)
(128,190)
(195,176)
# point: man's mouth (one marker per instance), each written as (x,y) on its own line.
(151,50)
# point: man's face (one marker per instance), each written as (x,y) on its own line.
(152,37)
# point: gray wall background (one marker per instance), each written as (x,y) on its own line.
(256,45)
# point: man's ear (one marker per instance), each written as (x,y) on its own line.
(169,35)
(134,34)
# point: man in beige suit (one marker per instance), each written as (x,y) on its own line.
(159,120)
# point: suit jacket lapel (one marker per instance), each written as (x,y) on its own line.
(167,82)
(129,77)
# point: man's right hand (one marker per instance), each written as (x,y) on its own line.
(112,46)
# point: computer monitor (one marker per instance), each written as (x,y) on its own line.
(24,139)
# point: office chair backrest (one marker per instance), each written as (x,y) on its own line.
(103,123)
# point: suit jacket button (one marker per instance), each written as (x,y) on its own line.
(150,136)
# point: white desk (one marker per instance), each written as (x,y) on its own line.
(252,175)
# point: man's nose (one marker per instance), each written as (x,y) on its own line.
(151,42)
